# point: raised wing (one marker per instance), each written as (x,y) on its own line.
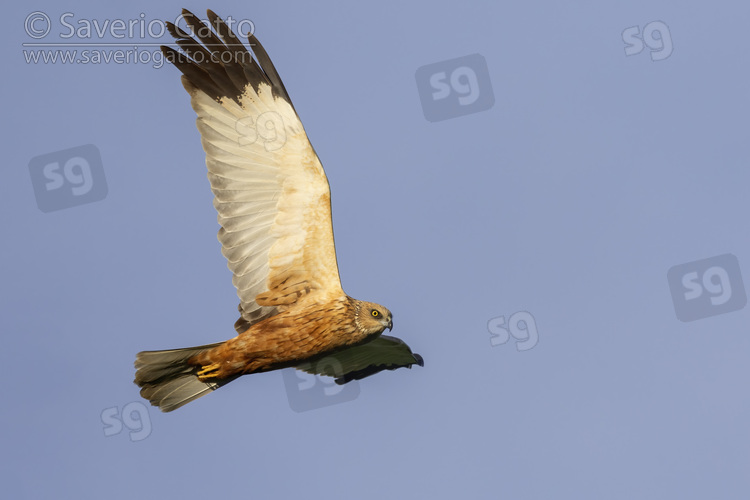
(358,362)
(269,187)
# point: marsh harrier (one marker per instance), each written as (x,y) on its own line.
(274,207)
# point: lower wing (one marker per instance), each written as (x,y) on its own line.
(358,362)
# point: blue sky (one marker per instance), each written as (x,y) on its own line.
(613,149)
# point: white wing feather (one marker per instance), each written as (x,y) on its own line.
(272,197)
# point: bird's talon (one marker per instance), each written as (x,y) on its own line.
(204,372)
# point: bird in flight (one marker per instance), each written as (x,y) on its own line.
(274,207)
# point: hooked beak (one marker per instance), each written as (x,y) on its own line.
(390,324)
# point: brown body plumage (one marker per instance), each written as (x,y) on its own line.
(303,332)
(273,201)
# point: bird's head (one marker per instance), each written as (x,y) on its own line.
(373,318)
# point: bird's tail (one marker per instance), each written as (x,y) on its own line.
(168,381)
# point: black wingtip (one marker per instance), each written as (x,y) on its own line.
(216,62)
(420,359)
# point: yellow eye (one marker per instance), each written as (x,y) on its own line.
(375,313)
